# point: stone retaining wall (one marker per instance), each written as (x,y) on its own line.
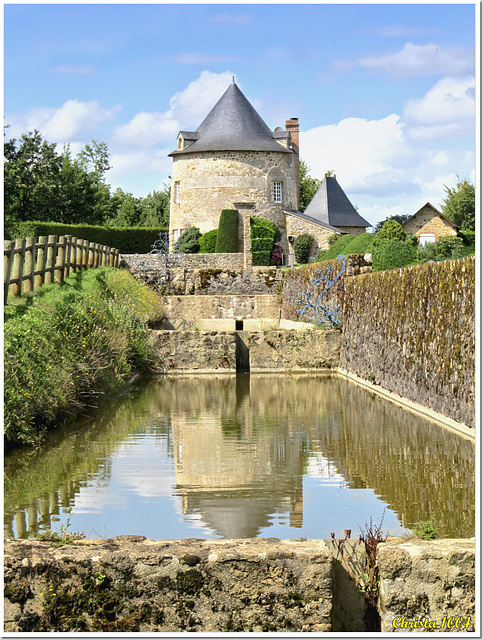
(131,584)
(187,309)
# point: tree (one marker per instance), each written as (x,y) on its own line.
(459,205)
(401,218)
(155,208)
(308,186)
(391,230)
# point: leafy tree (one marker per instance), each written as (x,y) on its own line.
(459,205)
(155,208)
(308,186)
(94,158)
(401,218)
(390,230)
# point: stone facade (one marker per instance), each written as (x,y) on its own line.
(432,581)
(209,182)
(429,220)
(297,226)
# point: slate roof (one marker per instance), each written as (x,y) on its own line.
(304,216)
(331,206)
(232,125)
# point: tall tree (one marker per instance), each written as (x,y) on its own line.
(459,205)
(308,186)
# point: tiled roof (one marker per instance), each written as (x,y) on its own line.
(232,125)
(331,206)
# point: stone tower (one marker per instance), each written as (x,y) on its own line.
(234,161)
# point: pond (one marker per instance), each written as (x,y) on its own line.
(236,456)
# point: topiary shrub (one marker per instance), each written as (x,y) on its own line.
(189,241)
(262,244)
(227,238)
(390,230)
(264,234)
(261,258)
(208,241)
(301,247)
(358,244)
(336,249)
(392,254)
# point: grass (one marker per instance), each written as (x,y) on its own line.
(65,345)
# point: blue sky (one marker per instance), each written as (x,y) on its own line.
(385,93)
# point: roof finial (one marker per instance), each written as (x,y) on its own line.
(233,79)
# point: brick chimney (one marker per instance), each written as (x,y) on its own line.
(292,126)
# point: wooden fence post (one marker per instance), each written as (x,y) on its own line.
(29,264)
(90,262)
(18,260)
(85,254)
(7,267)
(41,262)
(60,261)
(51,258)
(68,253)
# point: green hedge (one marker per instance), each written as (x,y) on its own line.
(227,238)
(468,236)
(336,249)
(262,244)
(261,258)
(392,254)
(359,244)
(208,241)
(126,239)
(264,234)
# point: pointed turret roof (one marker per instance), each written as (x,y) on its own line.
(331,206)
(232,125)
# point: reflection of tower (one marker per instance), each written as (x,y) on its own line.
(240,462)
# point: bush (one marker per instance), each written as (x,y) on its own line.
(333,238)
(391,254)
(208,241)
(261,228)
(264,234)
(227,239)
(390,230)
(74,341)
(358,244)
(262,244)
(468,236)
(189,241)
(449,247)
(301,247)
(277,255)
(261,258)
(429,251)
(336,249)
(126,239)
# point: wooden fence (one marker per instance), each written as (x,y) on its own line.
(28,264)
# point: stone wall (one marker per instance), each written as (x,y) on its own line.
(197,351)
(412,331)
(432,581)
(184,311)
(131,584)
(297,226)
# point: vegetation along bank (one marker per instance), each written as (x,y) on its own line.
(67,345)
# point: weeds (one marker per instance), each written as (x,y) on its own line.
(63,537)
(425,530)
(67,344)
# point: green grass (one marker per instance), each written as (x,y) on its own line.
(65,345)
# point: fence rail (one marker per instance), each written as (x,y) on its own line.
(30,263)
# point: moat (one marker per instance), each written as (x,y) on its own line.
(238,456)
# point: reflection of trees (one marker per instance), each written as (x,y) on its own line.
(39,485)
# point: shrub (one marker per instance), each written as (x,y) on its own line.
(126,239)
(262,244)
(261,258)
(227,238)
(189,241)
(301,247)
(208,241)
(425,530)
(264,234)
(449,247)
(468,236)
(391,254)
(271,229)
(427,252)
(390,230)
(277,255)
(336,249)
(358,244)
(333,238)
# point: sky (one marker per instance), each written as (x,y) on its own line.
(384,93)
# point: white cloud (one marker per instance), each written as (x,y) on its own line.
(74,119)
(147,129)
(417,60)
(447,110)
(81,70)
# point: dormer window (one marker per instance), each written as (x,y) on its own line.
(277,191)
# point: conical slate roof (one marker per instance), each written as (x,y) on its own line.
(232,125)
(331,206)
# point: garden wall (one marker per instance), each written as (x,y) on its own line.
(412,331)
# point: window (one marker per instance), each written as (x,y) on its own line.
(176,191)
(426,237)
(277,191)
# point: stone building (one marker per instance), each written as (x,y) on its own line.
(429,225)
(234,161)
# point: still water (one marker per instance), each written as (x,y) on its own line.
(242,456)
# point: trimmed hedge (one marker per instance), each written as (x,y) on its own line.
(262,244)
(263,233)
(359,244)
(227,238)
(126,239)
(208,241)
(336,249)
(261,258)
(392,254)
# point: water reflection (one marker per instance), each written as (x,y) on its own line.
(241,456)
